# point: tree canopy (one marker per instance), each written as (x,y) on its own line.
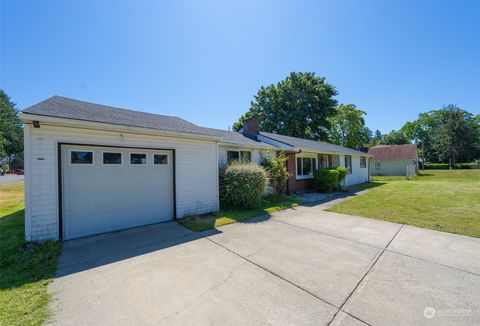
(11,131)
(395,137)
(347,127)
(298,106)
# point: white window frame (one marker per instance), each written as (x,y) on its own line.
(366,163)
(325,158)
(160,153)
(130,161)
(302,156)
(80,150)
(378,166)
(239,151)
(112,152)
(350,171)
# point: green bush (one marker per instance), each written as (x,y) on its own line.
(326,180)
(276,168)
(242,185)
(446,166)
(342,174)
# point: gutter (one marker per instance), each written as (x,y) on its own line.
(40,120)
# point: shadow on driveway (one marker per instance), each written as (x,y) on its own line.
(91,252)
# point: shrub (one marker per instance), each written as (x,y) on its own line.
(326,180)
(342,175)
(242,185)
(446,166)
(276,168)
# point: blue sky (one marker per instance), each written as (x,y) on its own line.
(205,61)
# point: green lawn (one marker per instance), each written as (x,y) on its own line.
(436,199)
(217,219)
(25,268)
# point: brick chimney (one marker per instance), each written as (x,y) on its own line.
(251,127)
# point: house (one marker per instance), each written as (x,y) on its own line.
(93,168)
(393,159)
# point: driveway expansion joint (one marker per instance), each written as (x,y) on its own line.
(365,275)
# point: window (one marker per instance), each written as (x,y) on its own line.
(363,162)
(378,166)
(81,157)
(305,166)
(160,159)
(348,163)
(112,158)
(138,159)
(243,156)
(324,161)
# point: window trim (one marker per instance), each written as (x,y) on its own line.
(307,156)
(327,159)
(363,158)
(80,164)
(130,159)
(379,166)
(350,170)
(239,151)
(160,153)
(110,164)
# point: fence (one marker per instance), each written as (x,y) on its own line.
(411,171)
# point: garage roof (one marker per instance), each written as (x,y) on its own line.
(67,108)
(393,152)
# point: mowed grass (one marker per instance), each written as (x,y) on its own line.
(436,199)
(25,268)
(269,205)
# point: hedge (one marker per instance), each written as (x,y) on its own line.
(327,180)
(446,166)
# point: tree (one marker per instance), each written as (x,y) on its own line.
(298,106)
(276,167)
(11,131)
(457,135)
(347,127)
(395,137)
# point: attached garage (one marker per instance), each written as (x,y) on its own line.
(110,188)
(91,169)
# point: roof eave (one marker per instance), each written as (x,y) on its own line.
(28,118)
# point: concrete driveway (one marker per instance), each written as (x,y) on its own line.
(302,266)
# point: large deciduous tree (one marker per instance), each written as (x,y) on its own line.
(395,137)
(298,106)
(456,136)
(11,131)
(347,127)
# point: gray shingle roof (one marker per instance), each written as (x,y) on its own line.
(62,107)
(312,145)
(236,138)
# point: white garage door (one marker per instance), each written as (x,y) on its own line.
(107,189)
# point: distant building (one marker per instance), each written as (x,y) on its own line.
(393,159)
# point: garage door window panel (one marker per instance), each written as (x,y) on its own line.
(79,157)
(138,159)
(111,158)
(160,159)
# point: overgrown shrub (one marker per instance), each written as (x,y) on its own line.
(446,166)
(331,179)
(326,180)
(242,185)
(276,168)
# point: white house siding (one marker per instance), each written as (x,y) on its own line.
(394,167)
(196,172)
(222,154)
(358,175)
